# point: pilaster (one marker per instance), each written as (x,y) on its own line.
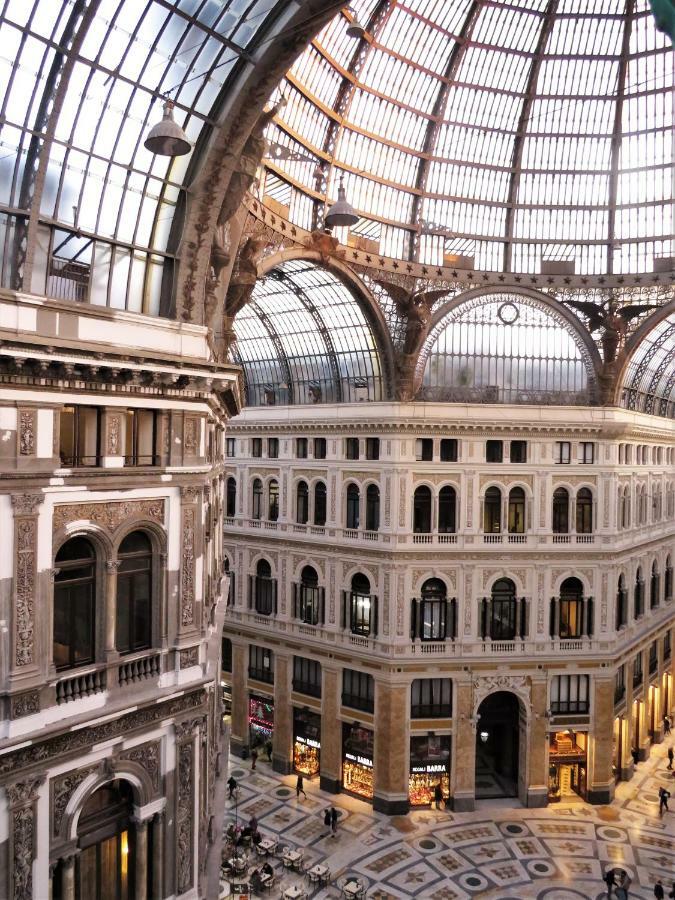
(24,646)
(282,740)
(239,723)
(22,801)
(463,769)
(390,764)
(601,782)
(331,731)
(537,787)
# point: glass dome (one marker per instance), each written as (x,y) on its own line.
(509,136)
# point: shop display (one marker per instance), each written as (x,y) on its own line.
(422,785)
(429,765)
(260,720)
(306,756)
(357,776)
(567,765)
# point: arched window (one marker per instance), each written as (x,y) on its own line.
(621,603)
(422,510)
(668,580)
(447,510)
(361,607)
(309,598)
(320,503)
(264,589)
(501,612)
(134,589)
(516,511)
(353,499)
(273,500)
(74,604)
(256,511)
(571,611)
(492,511)
(561,511)
(372,508)
(302,503)
(654,586)
(231,498)
(584,511)
(639,594)
(432,624)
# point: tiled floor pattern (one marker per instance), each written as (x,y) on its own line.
(558,853)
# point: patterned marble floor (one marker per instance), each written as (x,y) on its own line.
(499,851)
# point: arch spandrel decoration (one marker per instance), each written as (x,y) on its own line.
(554,326)
(491,684)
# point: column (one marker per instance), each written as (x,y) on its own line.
(282,740)
(537,747)
(68,878)
(24,601)
(643,696)
(600,776)
(239,723)
(331,731)
(111,567)
(157,855)
(627,765)
(391,750)
(463,770)
(141,862)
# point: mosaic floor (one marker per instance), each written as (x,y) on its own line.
(558,853)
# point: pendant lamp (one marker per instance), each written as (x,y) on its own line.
(167,138)
(342,212)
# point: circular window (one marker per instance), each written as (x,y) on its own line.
(508,313)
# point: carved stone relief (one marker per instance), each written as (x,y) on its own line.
(184,827)
(62,789)
(114,434)
(25,575)
(27,432)
(469,503)
(399,604)
(283,585)
(189,657)
(542,506)
(401,503)
(148,757)
(191,436)
(489,684)
(188,563)
(540,603)
(468,582)
(603,602)
(23,845)
(387,601)
(331,595)
(110,514)
(26,704)
(387,501)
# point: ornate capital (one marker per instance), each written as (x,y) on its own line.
(490,684)
(23,792)
(26,504)
(190,494)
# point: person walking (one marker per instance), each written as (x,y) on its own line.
(326,822)
(254,759)
(300,787)
(232,785)
(671,754)
(333,820)
(666,725)
(663,800)
(659,893)
(438,796)
(672,893)
(268,750)
(608,878)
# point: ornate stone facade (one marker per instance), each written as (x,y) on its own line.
(184,829)
(109,515)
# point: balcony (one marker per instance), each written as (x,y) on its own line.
(139,669)
(83,684)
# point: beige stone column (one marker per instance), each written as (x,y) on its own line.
(68,878)
(282,740)
(239,722)
(391,751)
(537,749)
(463,769)
(141,861)
(111,567)
(600,776)
(645,738)
(331,731)
(627,765)
(157,855)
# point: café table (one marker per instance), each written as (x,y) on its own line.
(353,889)
(294,892)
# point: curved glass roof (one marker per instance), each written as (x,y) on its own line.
(303,338)
(505,348)
(80,89)
(511,132)
(649,382)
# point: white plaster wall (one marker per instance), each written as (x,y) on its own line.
(45,432)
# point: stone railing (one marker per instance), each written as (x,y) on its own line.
(84,684)
(143,667)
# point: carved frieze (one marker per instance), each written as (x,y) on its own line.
(385,605)
(14,761)
(27,431)
(489,684)
(184,813)
(109,514)
(188,563)
(25,578)
(22,796)
(189,657)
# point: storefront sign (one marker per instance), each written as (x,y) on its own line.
(429,768)
(308,741)
(361,760)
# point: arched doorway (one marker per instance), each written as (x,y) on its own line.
(104,868)
(498,746)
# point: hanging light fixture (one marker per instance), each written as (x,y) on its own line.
(167,138)
(342,212)
(354,28)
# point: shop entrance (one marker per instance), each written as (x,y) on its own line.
(497,745)
(567,765)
